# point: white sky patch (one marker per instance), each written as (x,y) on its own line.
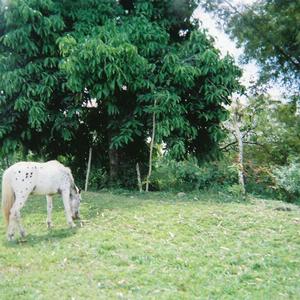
(226,45)
(91,103)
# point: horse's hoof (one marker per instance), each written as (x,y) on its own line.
(10,237)
(22,241)
(72,225)
(22,233)
(76,216)
(49,225)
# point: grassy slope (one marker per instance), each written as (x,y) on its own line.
(155,246)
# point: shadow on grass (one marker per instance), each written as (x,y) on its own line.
(52,235)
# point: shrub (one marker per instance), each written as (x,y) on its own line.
(259,179)
(235,190)
(188,175)
(98,178)
(287,179)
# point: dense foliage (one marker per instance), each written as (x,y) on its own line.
(270,133)
(91,73)
(269,33)
(187,175)
(287,179)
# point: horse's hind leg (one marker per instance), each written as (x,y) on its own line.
(15,217)
(49,211)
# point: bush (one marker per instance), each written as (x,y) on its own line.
(235,190)
(259,179)
(287,179)
(98,178)
(188,175)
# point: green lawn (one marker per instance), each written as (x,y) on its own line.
(155,246)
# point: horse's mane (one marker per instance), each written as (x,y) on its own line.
(70,174)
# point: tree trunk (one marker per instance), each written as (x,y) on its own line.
(113,155)
(139,177)
(151,149)
(113,165)
(113,126)
(88,170)
(240,154)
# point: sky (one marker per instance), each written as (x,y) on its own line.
(226,45)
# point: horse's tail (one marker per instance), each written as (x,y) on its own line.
(8,197)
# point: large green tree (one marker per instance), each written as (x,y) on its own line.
(130,59)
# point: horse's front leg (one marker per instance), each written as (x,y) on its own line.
(15,218)
(49,211)
(66,200)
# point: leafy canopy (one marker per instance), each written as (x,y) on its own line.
(135,59)
(269,33)
(132,58)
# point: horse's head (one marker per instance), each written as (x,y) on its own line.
(75,198)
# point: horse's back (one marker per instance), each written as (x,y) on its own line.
(53,177)
(54,163)
(35,165)
(19,167)
(40,177)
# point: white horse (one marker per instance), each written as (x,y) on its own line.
(49,178)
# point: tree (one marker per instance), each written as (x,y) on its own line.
(124,56)
(35,109)
(276,133)
(269,33)
(270,130)
(236,118)
(144,61)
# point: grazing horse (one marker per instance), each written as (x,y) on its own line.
(49,178)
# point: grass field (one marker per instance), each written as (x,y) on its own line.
(155,246)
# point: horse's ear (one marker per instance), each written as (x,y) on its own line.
(77,189)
